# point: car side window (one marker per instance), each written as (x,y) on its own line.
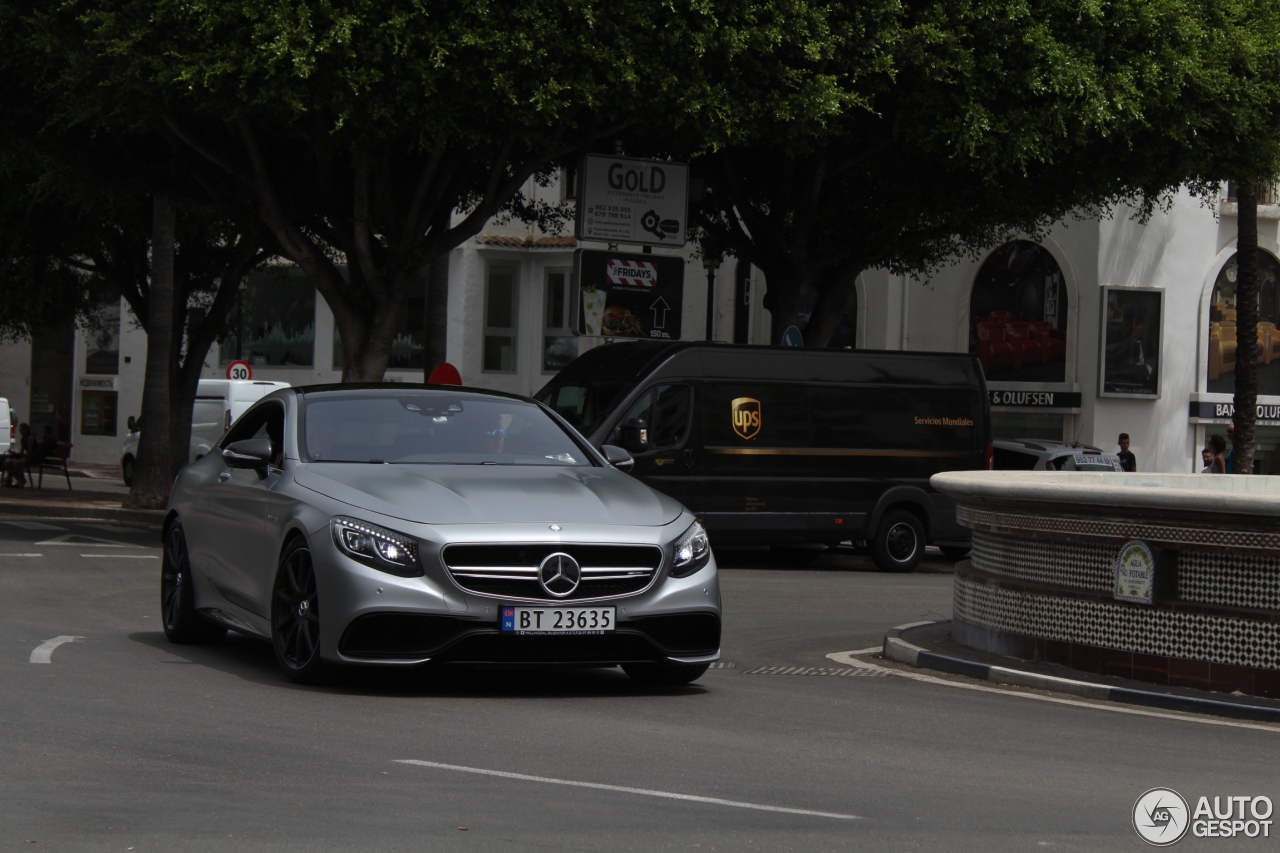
(669,424)
(639,409)
(262,421)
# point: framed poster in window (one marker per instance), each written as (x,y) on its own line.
(1131,336)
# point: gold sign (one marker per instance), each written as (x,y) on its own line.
(746,417)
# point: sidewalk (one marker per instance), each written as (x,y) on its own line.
(929,645)
(96,492)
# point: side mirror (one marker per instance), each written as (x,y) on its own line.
(250,453)
(635,435)
(617,457)
(132,423)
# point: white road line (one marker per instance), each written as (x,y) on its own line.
(32,525)
(83,540)
(125,556)
(43,653)
(624,790)
(1116,708)
(21,555)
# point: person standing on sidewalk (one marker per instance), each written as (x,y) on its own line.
(1127,460)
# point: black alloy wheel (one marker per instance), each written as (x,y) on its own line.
(955,552)
(182,624)
(899,542)
(665,673)
(295,616)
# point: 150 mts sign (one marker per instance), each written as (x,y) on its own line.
(621,295)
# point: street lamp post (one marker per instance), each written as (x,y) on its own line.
(711,264)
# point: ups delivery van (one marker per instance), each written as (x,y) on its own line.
(785,445)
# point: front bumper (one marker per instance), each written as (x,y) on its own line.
(371,617)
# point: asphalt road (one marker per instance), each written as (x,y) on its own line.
(124,742)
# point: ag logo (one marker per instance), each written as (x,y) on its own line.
(1160,816)
(746,417)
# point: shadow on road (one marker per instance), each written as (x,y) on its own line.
(817,558)
(254,661)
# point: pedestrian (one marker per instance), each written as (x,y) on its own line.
(1127,460)
(1218,447)
(13,462)
(1230,444)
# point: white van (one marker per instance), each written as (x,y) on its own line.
(218,403)
(13,423)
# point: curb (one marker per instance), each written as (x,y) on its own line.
(153,517)
(898,649)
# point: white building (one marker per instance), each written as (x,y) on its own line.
(1034,313)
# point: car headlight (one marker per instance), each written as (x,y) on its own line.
(692,552)
(378,547)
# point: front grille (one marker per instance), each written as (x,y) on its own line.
(492,647)
(511,571)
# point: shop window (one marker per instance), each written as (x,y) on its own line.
(98,413)
(407,346)
(500,321)
(1018,315)
(1223,334)
(273,323)
(559,346)
(102,335)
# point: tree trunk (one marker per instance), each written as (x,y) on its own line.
(782,299)
(437,331)
(153,470)
(1246,399)
(838,288)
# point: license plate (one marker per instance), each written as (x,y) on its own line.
(557,620)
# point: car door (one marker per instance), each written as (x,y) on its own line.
(668,464)
(239,556)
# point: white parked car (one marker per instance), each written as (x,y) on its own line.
(218,403)
(13,423)
(1036,454)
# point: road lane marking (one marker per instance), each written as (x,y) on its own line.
(125,556)
(43,653)
(846,657)
(811,670)
(82,540)
(21,555)
(646,792)
(32,525)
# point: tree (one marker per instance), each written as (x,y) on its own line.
(986,119)
(374,138)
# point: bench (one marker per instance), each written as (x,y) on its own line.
(55,460)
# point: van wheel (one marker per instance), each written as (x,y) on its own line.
(955,552)
(126,470)
(899,542)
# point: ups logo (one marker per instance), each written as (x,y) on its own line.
(746,417)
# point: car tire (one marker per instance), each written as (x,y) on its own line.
(665,673)
(182,623)
(295,616)
(126,470)
(899,542)
(955,552)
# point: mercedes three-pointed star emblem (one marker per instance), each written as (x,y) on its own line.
(559,574)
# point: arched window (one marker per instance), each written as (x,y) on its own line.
(1018,315)
(1223,335)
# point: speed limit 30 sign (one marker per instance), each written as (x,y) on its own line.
(239,369)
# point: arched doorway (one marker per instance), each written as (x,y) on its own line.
(1018,315)
(1223,334)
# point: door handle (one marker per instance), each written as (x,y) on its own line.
(224,476)
(688,457)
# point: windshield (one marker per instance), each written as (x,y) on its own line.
(585,403)
(434,428)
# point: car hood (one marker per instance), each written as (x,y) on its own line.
(489,494)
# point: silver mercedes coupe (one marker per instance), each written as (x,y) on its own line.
(397,525)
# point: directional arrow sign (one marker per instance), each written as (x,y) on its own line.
(660,309)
